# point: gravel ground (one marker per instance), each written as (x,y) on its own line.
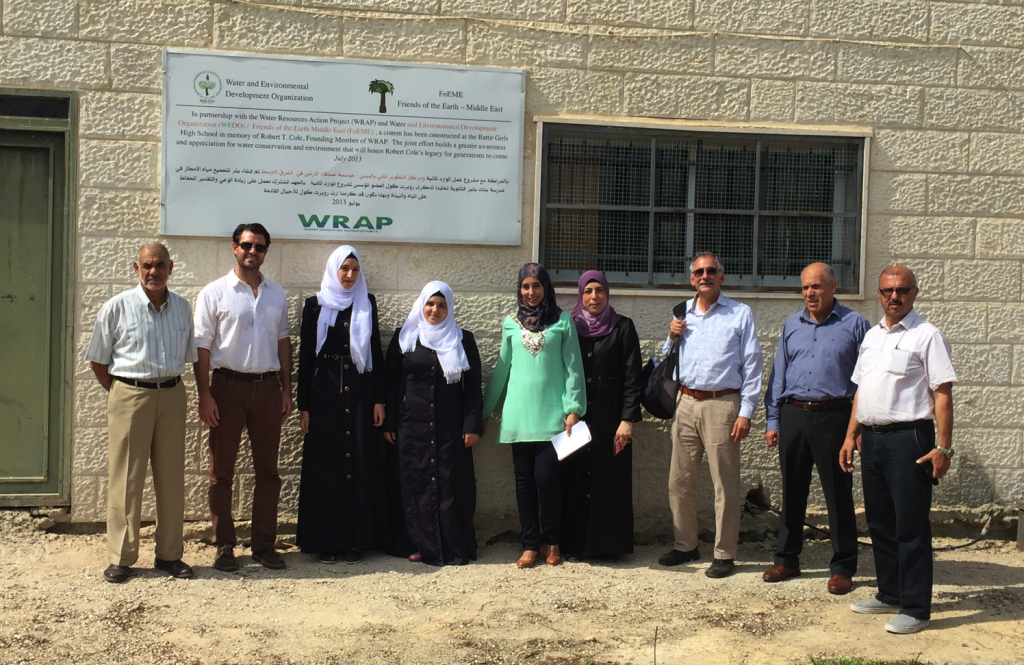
(56,607)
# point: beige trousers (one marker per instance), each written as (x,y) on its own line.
(705,426)
(145,425)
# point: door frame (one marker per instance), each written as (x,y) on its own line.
(60,437)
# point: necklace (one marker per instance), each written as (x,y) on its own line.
(533,342)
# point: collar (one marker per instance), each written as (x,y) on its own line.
(907,322)
(722,300)
(235,280)
(806,315)
(144,300)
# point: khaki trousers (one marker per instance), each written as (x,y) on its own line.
(705,426)
(145,425)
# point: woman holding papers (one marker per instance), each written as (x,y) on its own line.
(433,416)
(342,501)
(540,374)
(597,481)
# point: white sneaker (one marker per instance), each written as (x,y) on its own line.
(873,606)
(904,624)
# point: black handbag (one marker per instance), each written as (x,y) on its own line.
(660,388)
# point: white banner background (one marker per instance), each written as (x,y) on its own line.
(302,146)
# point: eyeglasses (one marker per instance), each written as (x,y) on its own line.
(248,245)
(903,290)
(711,272)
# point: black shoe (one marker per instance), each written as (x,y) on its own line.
(720,568)
(269,558)
(225,560)
(116,574)
(328,557)
(676,557)
(176,568)
(353,556)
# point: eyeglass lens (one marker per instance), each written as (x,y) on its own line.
(248,245)
(711,272)
(903,290)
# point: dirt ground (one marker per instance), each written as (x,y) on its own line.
(55,607)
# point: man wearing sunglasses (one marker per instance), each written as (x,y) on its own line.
(904,380)
(719,376)
(243,334)
(808,403)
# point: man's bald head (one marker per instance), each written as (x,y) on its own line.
(899,271)
(897,290)
(154,247)
(818,286)
(153,266)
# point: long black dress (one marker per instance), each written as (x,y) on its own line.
(597,484)
(342,498)
(430,417)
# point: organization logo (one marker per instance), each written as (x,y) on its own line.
(344,222)
(207,85)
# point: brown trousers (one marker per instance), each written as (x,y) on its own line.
(705,426)
(256,407)
(145,425)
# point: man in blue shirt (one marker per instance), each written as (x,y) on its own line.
(719,376)
(808,405)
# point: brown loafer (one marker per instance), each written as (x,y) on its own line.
(779,574)
(553,556)
(528,559)
(840,584)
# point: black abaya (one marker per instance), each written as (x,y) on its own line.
(430,417)
(597,485)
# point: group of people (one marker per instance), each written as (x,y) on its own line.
(387,453)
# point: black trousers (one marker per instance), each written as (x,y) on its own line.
(897,501)
(538,493)
(810,439)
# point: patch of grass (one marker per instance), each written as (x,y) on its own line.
(861,661)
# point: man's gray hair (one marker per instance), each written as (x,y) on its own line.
(159,246)
(895,270)
(704,255)
(826,269)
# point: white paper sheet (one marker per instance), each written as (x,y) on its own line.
(566,445)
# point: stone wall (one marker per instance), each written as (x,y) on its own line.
(941,83)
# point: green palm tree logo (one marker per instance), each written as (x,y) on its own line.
(207,85)
(382,87)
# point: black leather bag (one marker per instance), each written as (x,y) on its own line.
(660,389)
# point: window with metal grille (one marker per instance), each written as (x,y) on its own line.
(639,204)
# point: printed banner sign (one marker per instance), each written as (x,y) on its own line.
(341,150)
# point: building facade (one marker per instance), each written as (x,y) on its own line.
(925,98)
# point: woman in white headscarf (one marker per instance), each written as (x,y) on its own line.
(342,501)
(433,416)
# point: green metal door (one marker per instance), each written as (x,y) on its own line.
(32,330)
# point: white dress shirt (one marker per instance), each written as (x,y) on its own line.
(241,330)
(888,392)
(136,341)
(719,351)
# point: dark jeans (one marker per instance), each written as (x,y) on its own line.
(538,492)
(256,407)
(810,439)
(897,501)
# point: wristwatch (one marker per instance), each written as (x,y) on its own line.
(948,452)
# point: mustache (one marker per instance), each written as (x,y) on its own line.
(706,281)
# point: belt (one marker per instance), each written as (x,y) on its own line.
(169,383)
(242,376)
(707,394)
(895,427)
(818,406)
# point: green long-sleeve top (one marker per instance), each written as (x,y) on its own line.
(542,389)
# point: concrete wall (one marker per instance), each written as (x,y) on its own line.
(939,82)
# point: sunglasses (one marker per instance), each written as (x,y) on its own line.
(248,245)
(711,272)
(903,290)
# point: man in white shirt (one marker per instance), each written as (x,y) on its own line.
(904,379)
(719,376)
(242,332)
(138,350)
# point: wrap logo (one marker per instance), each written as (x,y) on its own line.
(324,222)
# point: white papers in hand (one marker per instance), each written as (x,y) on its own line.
(566,445)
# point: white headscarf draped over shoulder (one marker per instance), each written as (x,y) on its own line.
(445,338)
(333,297)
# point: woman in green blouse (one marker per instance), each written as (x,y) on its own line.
(540,372)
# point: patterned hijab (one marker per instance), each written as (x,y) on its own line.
(588,325)
(544,314)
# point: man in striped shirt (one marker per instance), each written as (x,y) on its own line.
(140,344)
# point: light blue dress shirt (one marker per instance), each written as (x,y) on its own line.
(719,351)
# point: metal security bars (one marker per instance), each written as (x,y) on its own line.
(638,204)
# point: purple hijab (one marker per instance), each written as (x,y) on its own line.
(588,325)
(547,312)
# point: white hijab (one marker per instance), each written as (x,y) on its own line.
(333,297)
(445,338)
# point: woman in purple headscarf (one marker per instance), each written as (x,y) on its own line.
(597,481)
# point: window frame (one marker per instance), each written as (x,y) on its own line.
(687,126)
